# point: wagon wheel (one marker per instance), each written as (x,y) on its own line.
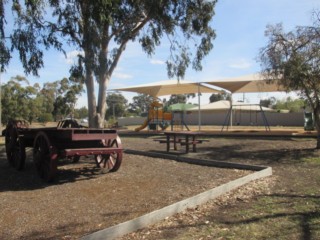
(111,161)
(44,157)
(15,148)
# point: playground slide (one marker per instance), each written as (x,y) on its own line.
(145,124)
(155,113)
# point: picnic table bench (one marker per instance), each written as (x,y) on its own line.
(184,138)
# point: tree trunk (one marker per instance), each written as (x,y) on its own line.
(92,109)
(102,103)
(97,110)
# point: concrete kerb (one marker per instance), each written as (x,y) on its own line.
(160,214)
(197,161)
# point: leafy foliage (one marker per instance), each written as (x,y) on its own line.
(220,96)
(178,98)
(288,104)
(293,60)
(270,102)
(117,105)
(65,98)
(81,113)
(140,104)
(19,100)
(101,29)
(293,105)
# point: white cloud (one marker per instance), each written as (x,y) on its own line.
(157,62)
(122,75)
(240,64)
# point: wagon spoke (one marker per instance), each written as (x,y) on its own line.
(112,161)
(114,143)
(98,159)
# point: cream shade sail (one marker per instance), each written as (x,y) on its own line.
(169,87)
(246,84)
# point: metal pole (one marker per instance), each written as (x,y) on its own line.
(199,112)
(0,106)
(231,111)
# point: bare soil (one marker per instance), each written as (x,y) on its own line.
(83,199)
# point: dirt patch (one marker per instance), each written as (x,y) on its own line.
(284,206)
(84,200)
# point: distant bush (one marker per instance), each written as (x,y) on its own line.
(46,117)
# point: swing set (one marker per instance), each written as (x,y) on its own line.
(253,115)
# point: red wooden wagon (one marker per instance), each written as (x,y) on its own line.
(67,140)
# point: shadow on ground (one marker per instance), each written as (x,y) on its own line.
(28,179)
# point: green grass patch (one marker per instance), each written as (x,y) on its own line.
(312,160)
(283,216)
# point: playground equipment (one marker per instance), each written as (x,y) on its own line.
(179,121)
(258,108)
(157,117)
(179,112)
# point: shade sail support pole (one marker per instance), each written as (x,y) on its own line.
(199,111)
(231,111)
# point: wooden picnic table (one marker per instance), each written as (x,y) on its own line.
(184,138)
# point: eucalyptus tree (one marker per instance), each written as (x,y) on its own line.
(293,105)
(117,105)
(65,97)
(220,96)
(81,113)
(48,95)
(18,100)
(140,103)
(292,59)
(100,30)
(177,98)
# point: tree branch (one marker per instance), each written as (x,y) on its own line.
(135,30)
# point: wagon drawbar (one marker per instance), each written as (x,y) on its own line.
(67,140)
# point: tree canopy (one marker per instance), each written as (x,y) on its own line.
(293,60)
(140,103)
(220,96)
(20,100)
(17,100)
(100,30)
(290,104)
(117,105)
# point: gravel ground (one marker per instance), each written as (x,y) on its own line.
(83,199)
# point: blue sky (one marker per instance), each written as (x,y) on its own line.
(239,26)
